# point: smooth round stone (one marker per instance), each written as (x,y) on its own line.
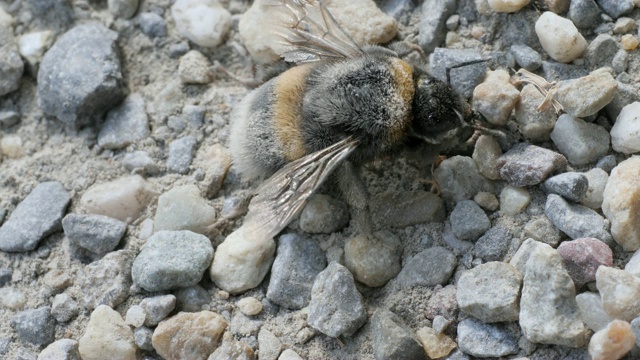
(620,203)
(612,342)
(581,142)
(507,6)
(487,201)
(582,257)
(514,200)
(205,22)
(249,306)
(496,98)
(323,215)
(172,340)
(559,37)
(183,208)
(625,133)
(123,199)
(373,262)
(107,333)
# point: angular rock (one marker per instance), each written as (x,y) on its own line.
(601,51)
(534,125)
(140,162)
(152,24)
(616,8)
(336,306)
(496,98)
(105,334)
(157,308)
(485,153)
(582,257)
(373,262)
(35,326)
(63,349)
(393,339)
(435,345)
(237,350)
(520,258)
(189,335)
(577,221)
(597,179)
(64,308)
(572,186)
(323,215)
(123,8)
(581,142)
(526,57)
(468,220)
(195,68)
(205,22)
(514,200)
(494,244)
(181,154)
(428,268)
(584,13)
(586,95)
(96,233)
(591,311)
(11,65)
(143,338)
(463,79)
(269,345)
(123,199)
(432,24)
(36,216)
(125,124)
(182,208)
(460,179)
(527,164)
(486,340)
(107,281)
(619,291)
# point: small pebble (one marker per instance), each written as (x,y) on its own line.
(36,216)
(543,230)
(577,221)
(490,292)
(11,65)
(123,8)
(123,199)
(217,167)
(242,325)
(440,324)
(152,25)
(526,164)
(620,198)
(572,186)
(526,57)
(142,336)
(107,280)
(392,338)
(63,349)
(289,354)
(179,49)
(241,262)
(125,124)
(629,42)
(32,47)
(559,37)
(581,142)
(269,345)
(140,161)
(11,146)
(626,130)
(249,306)
(204,22)
(35,326)
(624,25)
(496,98)
(433,24)
(533,124)
(195,68)
(582,257)
(485,153)
(157,308)
(205,332)
(181,154)
(597,179)
(584,13)
(452,22)
(64,308)
(486,340)
(323,215)
(373,262)
(619,291)
(460,179)
(183,208)
(487,201)
(135,316)
(172,259)
(514,200)
(429,267)
(507,6)
(494,244)
(591,311)
(601,51)
(435,345)
(5,276)
(12,298)
(336,318)
(612,342)
(96,233)
(616,8)
(587,95)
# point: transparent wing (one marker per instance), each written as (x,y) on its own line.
(281,197)
(308,32)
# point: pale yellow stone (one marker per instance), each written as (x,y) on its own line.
(621,203)
(496,97)
(189,336)
(559,37)
(11,146)
(249,306)
(612,342)
(507,6)
(629,42)
(107,337)
(436,345)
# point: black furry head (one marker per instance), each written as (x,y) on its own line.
(437,110)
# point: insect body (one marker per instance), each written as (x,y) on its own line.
(343,106)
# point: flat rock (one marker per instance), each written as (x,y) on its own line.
(486,340)
(35,217)
(587,95)
(534,125)
(107,281)
(582,257)
(393,339)
(526,164)
(96,233)
(485,153)
(463,79)
(581,142)
(157,308)
(575,220)
(189,336)
(125,124)
(429,267)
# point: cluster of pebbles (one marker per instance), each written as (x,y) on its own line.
(121,210)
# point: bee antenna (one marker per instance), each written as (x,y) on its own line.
(466,63)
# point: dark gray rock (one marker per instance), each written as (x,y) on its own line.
(323,215)
(63,349)
(494,244)
(468,220)
(157,308)
(526,57)
(152,25)
(172,259)
(625,95)
(298,261)
(526,164)
(463,79)
(570,185)
(552,70)
(181,154)
(11,65)
(428,268)
(432,29)
(616,8)
(142,337)
(125,124)
(192,298)
(577,221)
(5,276)
(487,340)
(393,339)
(80,76)
(179,49)
(581,142)
(585,14)
(336,307)
(518,29)
(607,163)
(35,217)
(460,179)
(406,208)
(35,326)
(107,281)
(64,308)
(601,51)
(96,233)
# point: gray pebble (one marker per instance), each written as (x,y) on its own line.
(535,125)
(601,51)
(542,229)
(526,57)
(429,267)
(125,124)
(585,14)
(194,114)
(375,261)
(157,308)
(626,94)
(526,164)
(172,259)
(577,221)
(581,142)
(9,117)
(487,340)
(468,220)
(140,161)
(393,339)
(152,25)
(336,307)
(406,208)
(179,49)
(176,123)
(298,261)
(432,30)
(35,326)
(460,179)
(107,281)
(80,76)
(323,215)
(572,186)
(452,22)
(269,345)
(96,233)
(142,337)
(494,244)
(561,71)
(5,276)
(607,163)
(11,65)
(518,28)
(243,325)
(458,355)
(63,349)
(192,298)
(463,79)
(620,61)
(123,8)
(398,9)
(35,217)
(64,308)
(440,324)
(616,8)
(181,154)
(4,345)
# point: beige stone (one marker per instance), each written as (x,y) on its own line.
(621,203)
(436,345)
(612,342)
(123,199)
(189,336)
(107,337)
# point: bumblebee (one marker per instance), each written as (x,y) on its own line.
(342,106)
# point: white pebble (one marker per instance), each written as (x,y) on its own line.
(507,6)
(11,298)
(183,208)
(205,22)
(6,20)
(107,336)
(123,199)
(625,133)
(135,316)
(597,181)
(195,68)
(11,146)
(559,37)
(250,306)
(513,200)
(496,98)
(32,46)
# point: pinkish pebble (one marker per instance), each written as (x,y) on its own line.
(581,258)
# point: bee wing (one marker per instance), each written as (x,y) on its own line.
(308,32)
(281,197)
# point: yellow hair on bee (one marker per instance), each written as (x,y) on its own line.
(403,76)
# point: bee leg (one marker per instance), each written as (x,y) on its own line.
(357,197)
(250,83)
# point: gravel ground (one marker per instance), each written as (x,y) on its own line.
(114,128)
